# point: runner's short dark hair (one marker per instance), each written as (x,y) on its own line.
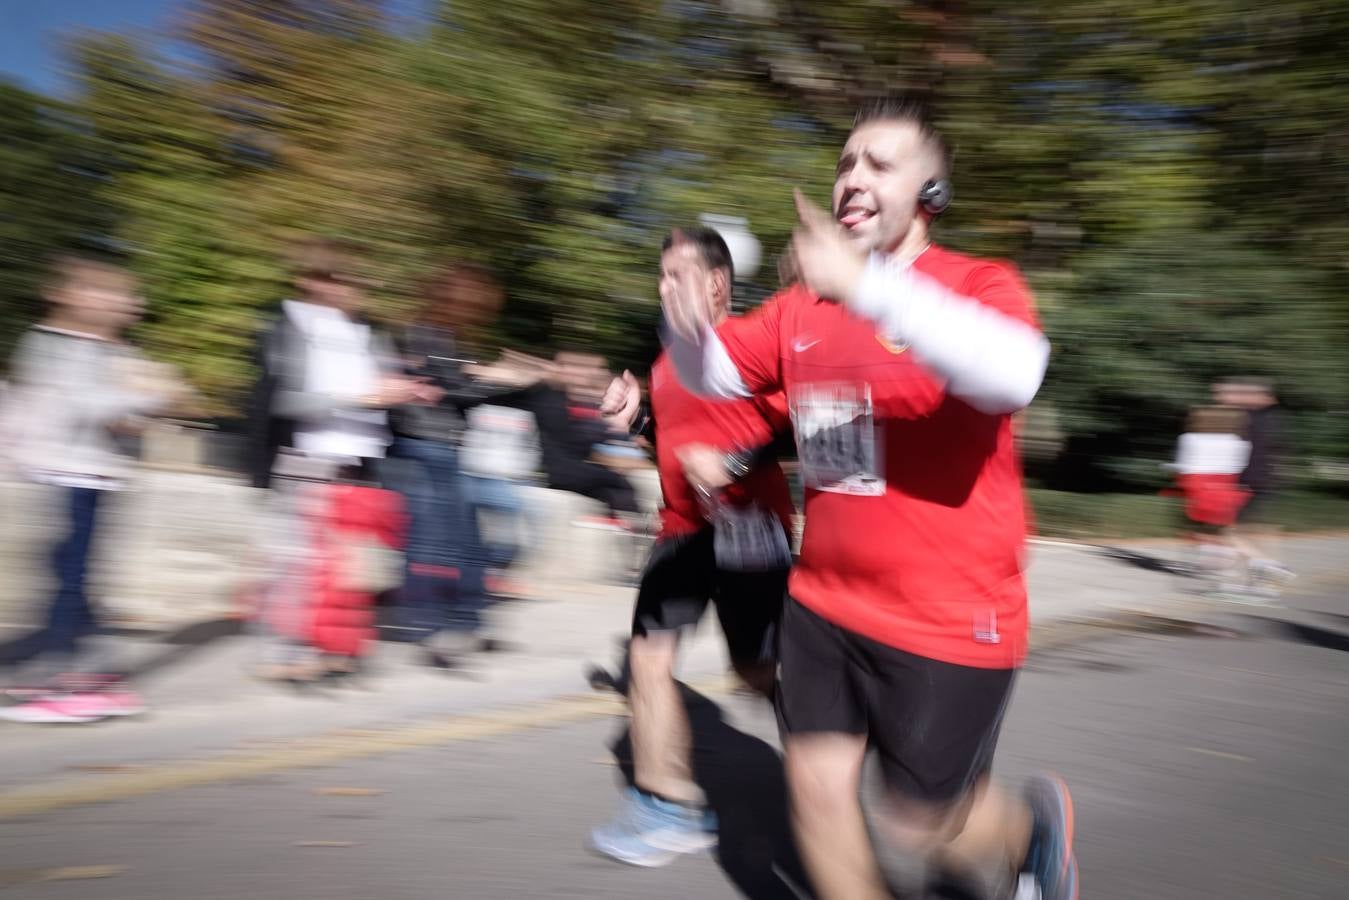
(72,270)
(325,258)
(913,110)
(1217,420)
(711,247)
(1249,383)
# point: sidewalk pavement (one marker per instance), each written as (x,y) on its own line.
(204,700)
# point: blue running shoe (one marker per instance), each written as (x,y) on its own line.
(652,832)
(1050,869)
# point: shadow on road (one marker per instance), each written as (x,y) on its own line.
(1301,633)
(744,782)
(1146,561)
(175,645)
(184,642)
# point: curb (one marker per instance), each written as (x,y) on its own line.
(1105,542)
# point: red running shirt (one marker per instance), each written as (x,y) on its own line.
(684,418)
(915,519)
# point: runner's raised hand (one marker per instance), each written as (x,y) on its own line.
(825,259)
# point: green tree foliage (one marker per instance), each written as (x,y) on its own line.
(45,161)
(1172,180)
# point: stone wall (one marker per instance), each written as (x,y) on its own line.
(178,544)
(171,548)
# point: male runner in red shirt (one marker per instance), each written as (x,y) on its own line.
(726,544)
(903,363)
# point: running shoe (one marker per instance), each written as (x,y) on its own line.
(1050,869)
(1256,594)
(651,832)
(1272,570)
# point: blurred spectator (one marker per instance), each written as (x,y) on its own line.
(78,392)
(318,420)
(500,452)
(444,593)
(1210,458)
(1267,433)
(571,429)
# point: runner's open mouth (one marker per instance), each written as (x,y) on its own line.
(852,216)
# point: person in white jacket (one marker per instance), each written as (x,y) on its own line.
(77,393)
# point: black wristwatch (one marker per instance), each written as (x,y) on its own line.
(738,463)
(641,423)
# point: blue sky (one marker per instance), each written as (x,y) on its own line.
(31,31)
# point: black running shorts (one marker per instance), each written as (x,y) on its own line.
(681,577)
(933,724)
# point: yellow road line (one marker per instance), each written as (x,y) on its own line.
(320,751)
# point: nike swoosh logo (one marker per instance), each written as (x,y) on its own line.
(803,346)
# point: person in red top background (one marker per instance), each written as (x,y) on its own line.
(723,539)
(902,363)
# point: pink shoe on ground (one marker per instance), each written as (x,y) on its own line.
(57,709)
(76,708)
(113,702)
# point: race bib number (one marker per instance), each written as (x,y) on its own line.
(837,441)
(749,540)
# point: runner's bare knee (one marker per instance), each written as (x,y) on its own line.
(824,774)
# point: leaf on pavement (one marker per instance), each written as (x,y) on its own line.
(81,873)
(106,768)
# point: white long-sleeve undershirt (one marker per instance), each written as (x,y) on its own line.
(987,358)
(705,367)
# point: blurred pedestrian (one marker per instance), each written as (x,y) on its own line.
(319,421)
(571,429)
(1267,432)
(1210,457)
(444,594)
(77,392)
(500,453)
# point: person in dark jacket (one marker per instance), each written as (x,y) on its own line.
(443,595)
(571,428)
(1267,432)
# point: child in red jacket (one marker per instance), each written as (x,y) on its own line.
(355,531)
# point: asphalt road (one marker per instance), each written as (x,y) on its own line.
(1206,763)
